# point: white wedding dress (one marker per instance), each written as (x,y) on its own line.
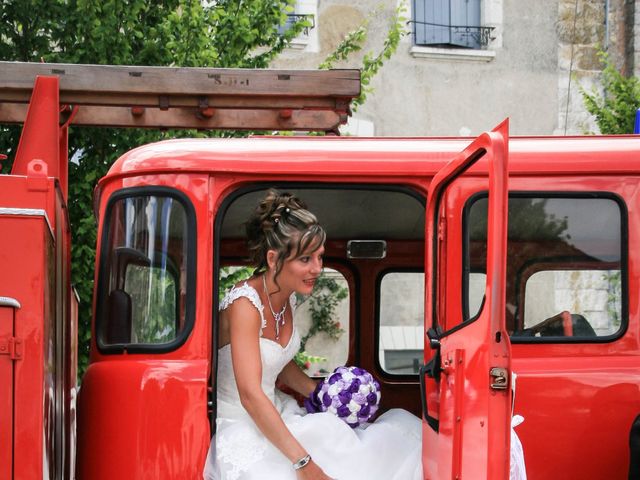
(388,449)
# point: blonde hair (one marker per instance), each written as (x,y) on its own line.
(281,222)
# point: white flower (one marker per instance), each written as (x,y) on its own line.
(365,389)
(353,418)
(348,376)
(333,390)
(353,406)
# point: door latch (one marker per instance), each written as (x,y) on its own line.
(11,346)
(499,378)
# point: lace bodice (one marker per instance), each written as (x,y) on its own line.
(274,358)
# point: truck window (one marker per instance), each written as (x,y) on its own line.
(565,263)
(145,270)
(401,322)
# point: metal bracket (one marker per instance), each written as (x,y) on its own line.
(11,346)
(499,378)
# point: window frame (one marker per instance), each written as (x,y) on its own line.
(624,249)
(191,262)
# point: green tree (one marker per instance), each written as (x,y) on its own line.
(224,33)
(615,110)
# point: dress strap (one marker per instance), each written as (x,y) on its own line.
(247,291)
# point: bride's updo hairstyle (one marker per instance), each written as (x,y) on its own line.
(281,222)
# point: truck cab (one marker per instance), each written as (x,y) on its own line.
(466,264)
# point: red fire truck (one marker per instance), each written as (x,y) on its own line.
(517,252)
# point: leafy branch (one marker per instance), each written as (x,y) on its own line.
(615,110)
(371,63)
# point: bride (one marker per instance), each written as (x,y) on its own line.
(261,433)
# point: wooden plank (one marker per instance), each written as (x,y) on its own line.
(153,100)
(236,119)
(184,81)
(177,97)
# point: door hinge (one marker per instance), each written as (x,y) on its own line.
(499,378)
(11,346)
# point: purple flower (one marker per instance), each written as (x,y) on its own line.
(345,397)
(364,411)
(351,393)
(343,411)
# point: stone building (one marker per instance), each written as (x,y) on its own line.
(464,65)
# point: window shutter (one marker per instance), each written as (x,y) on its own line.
(465,13)
(432,22)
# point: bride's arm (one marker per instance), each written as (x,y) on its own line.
(244,329)
(296,379)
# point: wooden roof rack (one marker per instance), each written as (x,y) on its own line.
(175,97)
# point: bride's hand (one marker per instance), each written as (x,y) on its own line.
(312,471)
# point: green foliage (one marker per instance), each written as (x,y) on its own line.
(322,304)
(304,360)
(229,276)
(615,111)
(225,33)
(327,294)
(371,63)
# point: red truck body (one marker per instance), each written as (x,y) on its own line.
(527,248)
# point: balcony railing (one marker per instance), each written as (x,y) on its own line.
(426,34)
(294,18)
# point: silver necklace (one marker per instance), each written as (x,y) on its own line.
(277,317)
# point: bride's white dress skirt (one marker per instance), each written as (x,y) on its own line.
(388,449)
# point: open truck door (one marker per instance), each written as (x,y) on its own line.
(466,379)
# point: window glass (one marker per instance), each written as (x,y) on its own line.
(401,334)
(591,298)
(322,319)
(323,322)
(477,284)
(144,299)
(564,263)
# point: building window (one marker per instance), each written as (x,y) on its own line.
(450,23)
(305,11)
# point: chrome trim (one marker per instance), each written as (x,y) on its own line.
(9,302)
(28,212)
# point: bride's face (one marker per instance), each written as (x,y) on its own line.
(300,274)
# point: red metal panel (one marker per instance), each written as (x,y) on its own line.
(579,399)
(143,419)
(473,437)
(6,394)
(23,262)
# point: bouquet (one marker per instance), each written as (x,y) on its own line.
(351,393)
